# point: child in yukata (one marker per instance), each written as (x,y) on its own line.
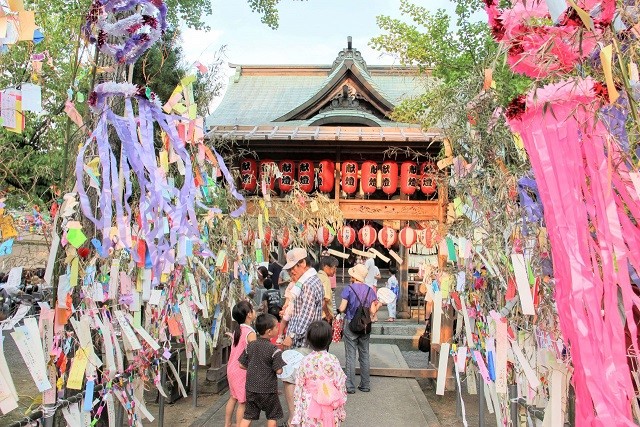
(394,286)
(321,393)
(263,361)
(294,289)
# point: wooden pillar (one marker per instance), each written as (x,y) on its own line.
(404,311)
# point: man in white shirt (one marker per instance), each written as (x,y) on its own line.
(373,273)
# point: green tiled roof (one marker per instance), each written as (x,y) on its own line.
(264,94)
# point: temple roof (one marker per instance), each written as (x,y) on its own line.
(346,92)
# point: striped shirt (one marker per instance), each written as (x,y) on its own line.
(307,307)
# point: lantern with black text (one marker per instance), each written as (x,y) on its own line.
(408,178)
(407,237)
(367,236)
(288,171)
(267,174)
(326,176)
(306,176)
(284,237)
(249,174)
(368,177)
(428,184)
(349,177)
(389,177)
(347,236)
(324,236)
(387,236)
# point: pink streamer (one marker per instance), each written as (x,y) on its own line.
(592,240)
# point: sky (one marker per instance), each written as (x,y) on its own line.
(311,32)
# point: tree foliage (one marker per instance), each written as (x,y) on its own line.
(269,11)
(455,55)
(34,163)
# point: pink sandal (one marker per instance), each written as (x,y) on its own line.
(391,319)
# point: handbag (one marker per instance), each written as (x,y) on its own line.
(424,342)
(337,325)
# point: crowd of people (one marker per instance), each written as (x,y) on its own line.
(292,309)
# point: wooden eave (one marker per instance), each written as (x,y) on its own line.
(348,72)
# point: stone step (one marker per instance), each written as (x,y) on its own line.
(404,342)
(397,328)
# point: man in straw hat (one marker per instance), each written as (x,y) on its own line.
(354,295)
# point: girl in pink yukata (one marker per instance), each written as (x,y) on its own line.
(321,392)
(243,334)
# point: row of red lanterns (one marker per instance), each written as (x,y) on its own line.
(411,176)
(367,236)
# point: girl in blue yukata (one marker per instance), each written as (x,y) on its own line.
(394,286)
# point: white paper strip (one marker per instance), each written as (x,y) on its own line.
(461,358)
(522,280)
(111,409)
(362,253)
(186,319)
(338,254)
(380,255)
(533,379)
(27,346)
(464,412)
(442,368)
(114,274)
(72,415)
(148,338)
(395,256)
(202,348)
(502,347)
(437,318)
(126,329)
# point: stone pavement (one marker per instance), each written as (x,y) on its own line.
(391,402)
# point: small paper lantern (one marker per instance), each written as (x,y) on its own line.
(247,236)
(284,237)
(347,236)
(408,178)
(425,236)
(268,235)
(249,174)
(407,237)
(306,175)
(389,177)
(368,177)
(324,236)
(428,183)
(349,177)
(367,236)
(288,171)
(326,176)
(309,234)
(387,236)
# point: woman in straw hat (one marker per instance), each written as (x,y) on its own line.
(354,295)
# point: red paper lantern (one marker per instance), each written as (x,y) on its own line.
(268,234)
(389,172)
(387,236)
(284,237)
(306,175)
(369,177)
(408,237)
(288,171)
(326,176)
(247,236)
(267,174)
(249,174)
(347,236)
(367,236)
(408,178)
(349,176)
(428,183)
(324,236)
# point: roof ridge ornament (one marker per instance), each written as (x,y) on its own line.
(350,53)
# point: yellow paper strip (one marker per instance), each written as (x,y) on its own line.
(606,55)
(78,366)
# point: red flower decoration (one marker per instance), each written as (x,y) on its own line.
(516,107)
(601,91)
(83,252)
